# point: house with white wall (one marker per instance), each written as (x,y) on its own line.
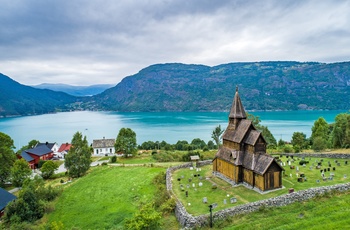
(103,147)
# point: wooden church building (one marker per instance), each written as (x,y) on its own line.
(242,159)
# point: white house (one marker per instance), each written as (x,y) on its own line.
(103,147)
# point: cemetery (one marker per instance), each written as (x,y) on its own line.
(197,188)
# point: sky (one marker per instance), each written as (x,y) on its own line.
(81,42)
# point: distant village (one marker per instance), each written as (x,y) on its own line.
(53,151)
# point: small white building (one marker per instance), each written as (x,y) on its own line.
(103,147)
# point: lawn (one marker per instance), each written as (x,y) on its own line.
(104,198)
(194,202)
(326,212)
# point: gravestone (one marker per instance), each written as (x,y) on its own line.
(345,176)
(178,179)
(346,162)
(182,176)
(317,181)
(205,200)
(186,193)
(188,186)
(233,200)
(321,171)
(310,167)
(189,179)
(338,164)
(328,169)
(200,184)
(333,168)
(297,168)
(191,168)
(214,205)
(329,165)
(193,185)
(225,202)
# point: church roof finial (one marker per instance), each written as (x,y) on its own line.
(236,88)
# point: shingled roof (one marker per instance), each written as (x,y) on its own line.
(39,150)
(237,109)
(103,143)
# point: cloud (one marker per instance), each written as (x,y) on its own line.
(92,42)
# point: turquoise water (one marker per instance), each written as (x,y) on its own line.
(167,126)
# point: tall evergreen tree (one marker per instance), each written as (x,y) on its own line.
(78,159)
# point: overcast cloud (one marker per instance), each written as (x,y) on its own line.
(83,42)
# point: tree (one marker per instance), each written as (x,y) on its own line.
(320,133)
(299,141)
(19,172)
(211,144)
(126,142)
(146,218)
(270,139)
(198,143)
(48,169)
(7,157)
(341,131)
(78,158)
(216,135)
(31,144)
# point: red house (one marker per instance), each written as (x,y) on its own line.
(34,155)
(63,150)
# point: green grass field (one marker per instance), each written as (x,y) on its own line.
(194,202)
(104,198)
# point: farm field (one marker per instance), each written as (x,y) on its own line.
(105,197)
(224,191)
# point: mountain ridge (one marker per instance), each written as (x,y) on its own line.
(73,90)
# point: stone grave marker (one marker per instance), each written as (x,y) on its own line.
(225,201)
(182,176)
(297,168)
(188,186)
(205,200)
(193,185)
(317,181)
(345,176)
(310,167)
(189,179)
(233,200)
(200,184)
(346,162)
(333,168)
(214,205)
(191,168)
(186,193)
(338,164)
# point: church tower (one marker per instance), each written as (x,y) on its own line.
(237,112)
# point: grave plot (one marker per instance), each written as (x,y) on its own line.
(197,188)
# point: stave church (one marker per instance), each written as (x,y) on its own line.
(242,159)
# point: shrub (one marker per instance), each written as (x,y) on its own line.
(303,162)
(114,159)
(214,186)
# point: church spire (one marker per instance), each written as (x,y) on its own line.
(237,109)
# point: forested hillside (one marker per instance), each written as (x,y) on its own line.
(262,86)
(17,99)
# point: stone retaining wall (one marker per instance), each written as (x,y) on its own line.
(188,221)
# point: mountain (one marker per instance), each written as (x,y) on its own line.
(18,99)
(75,90)
(262,86)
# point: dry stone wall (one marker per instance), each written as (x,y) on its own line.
(189,221)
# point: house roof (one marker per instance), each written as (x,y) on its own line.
(64,147)
(49,145)
(237,109)
(103,143)
(26,156)
(39,150)
(5,198)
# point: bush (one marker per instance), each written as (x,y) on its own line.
(114,159)
(40,164)
(288,149)
(303,162)
(214,186)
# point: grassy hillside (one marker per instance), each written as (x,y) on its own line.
(104,198)
(262,86)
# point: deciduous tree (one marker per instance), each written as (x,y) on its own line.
(19,172)
(7,158)
(320,133)
(299,141)
(48,169)
(78,158)
(126,142)
(216,135)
